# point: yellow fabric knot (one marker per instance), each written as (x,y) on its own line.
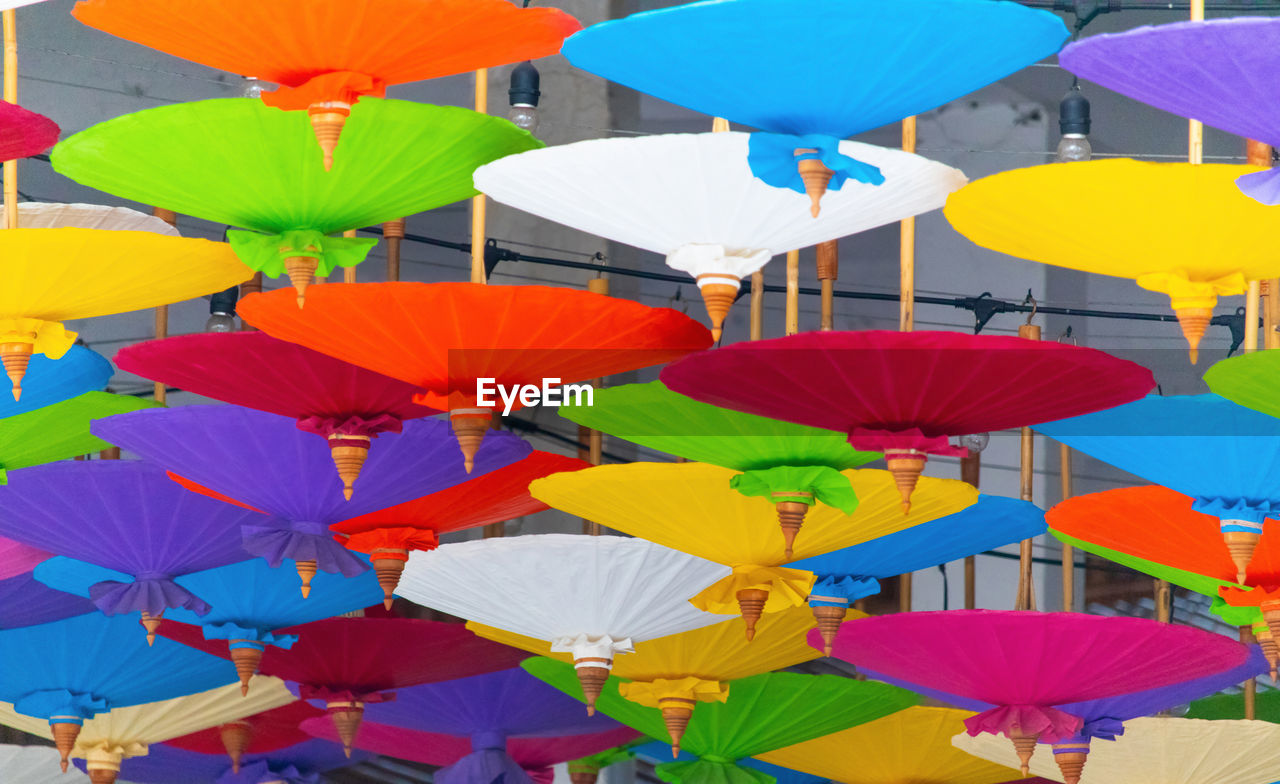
(52,339)
(1186,293)
(650,693)
(786,587)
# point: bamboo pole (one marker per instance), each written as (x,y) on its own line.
(393,233)
(595,439)
(757,305)
(719,125)
(162,312)
(1252,302)
(1251,685)
(251,286)
(1270,313)
(1068,552)
(478,205)
(793,292)
(349,273)
(828,271)
(1164,601)
(971,471)
(1026,599)
(1264,299)
(11,95)
(907,250)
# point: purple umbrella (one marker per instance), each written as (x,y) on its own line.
(1104,718)
(1218,72)
(129,517)
(25,601)
(264,460)
(298,764)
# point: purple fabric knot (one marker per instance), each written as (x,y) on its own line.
(278,540)
(486,766)
(151,592)
(261,773)
(1263,186)
(1104,728)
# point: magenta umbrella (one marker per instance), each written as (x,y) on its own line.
(1028,663)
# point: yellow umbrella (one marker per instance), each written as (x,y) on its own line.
(1163,750)
(912,746)
(1181,229)
(51,275)
(109,738)
(691,507)
(676,672)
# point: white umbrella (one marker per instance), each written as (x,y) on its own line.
(109,738)
(54,215)
(591,596)
(1161,751)
(35,765)
(693,198)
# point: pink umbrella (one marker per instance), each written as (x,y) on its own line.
(1026,663)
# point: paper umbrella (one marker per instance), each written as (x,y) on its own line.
(35,765)
(50,381)
(905,393)
(346,405)
(443,337)
(254,735)
(24,132)
(807,91)
(348,50)
(1245,380)
(258,174)
(265,461)
(692,508)
(692,199)
(388,535)
(301,763)
(59,431)
(607,594)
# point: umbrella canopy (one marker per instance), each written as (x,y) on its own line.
(691,507)
(252,736)
(691,198)
(680,671)
(912,745)
(25,601)
(60,674)
(483,756)
(794,466)
(1029,664)
(49,283)
(806,88)
(345,51)
(49,381)
(1231,706)
(125,516)
(388,535)
(906,393)
(1246,380)
(1219,453)
(35,765)
(769,711)
(1199,70)
(346,405)
(56,215)
(300,763)
(1167,751)
(606,593)
(25,133)
(844,576)
(1180,229)
(445,337)
(59,431)
(264,460)
(656,752)
(348,662)
(258,173)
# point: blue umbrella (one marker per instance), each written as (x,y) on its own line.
(50,381)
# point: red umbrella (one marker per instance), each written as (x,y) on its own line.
(348,662)
(24,133)
(263,732)
(906,393)
(388,535)
(347,405)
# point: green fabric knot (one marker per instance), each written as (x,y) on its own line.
(266,253)
(827,485)
(711,770)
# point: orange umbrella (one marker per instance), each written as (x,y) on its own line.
(448,338)
(327,54)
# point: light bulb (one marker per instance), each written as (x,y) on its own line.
(1074,147)
(975,442)
(220,322)
(522,115)
(253,87)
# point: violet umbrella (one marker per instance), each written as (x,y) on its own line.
(490,716)
(126,516)
(301,763)
(25,601)
(1028,665)
(264,460)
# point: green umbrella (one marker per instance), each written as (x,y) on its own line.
(794,466)
(239,162)
(1249,380)
(1192,581)
(586,770)
(1231,706)
(59,431)
(762,713)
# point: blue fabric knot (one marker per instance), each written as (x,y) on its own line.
(772,158)
(1236,509)
(234,631)
(841,590)
(66,706)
